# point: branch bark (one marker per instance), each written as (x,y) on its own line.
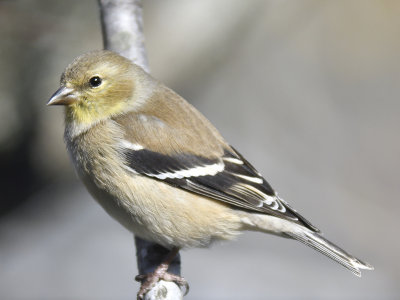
(122,26)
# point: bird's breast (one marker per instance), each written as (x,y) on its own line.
(151,209)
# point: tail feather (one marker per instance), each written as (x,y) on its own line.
(313,239)
(319,243)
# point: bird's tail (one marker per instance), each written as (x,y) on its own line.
(319,243)
(313,239)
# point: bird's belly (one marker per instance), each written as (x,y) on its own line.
(164,214)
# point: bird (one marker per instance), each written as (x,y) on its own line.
(163,171)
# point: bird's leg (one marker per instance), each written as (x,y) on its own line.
(160,273)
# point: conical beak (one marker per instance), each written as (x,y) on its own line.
(63,96)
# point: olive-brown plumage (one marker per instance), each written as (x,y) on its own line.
(160,167)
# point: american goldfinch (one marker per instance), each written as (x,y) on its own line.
(161,169)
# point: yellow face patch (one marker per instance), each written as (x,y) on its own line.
(102,86)
(87,112)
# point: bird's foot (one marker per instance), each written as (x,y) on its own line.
(160,273)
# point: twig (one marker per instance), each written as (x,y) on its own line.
(122,26)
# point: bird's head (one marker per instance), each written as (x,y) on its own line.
(96,85)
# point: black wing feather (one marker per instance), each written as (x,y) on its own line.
(231,185)
(150,162)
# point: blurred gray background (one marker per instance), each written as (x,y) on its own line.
(308,91)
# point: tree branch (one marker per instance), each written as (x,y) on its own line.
(122,26)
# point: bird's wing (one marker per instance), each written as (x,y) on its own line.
(194,157)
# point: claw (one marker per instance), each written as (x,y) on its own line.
(160,273)
(149,281)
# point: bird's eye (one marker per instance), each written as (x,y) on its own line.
(95,81)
